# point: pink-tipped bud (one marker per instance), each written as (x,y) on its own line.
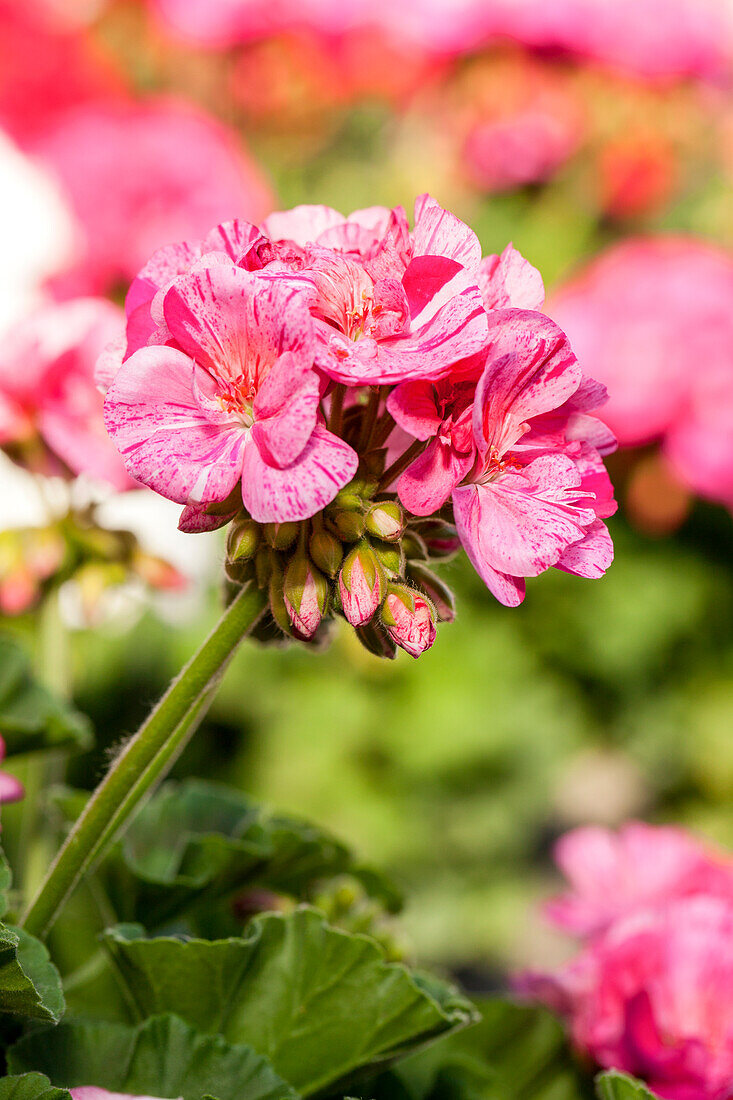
(409,619)
(385,521)
(361,585)
(306,596)
(437,591)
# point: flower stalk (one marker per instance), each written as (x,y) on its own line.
(144,761)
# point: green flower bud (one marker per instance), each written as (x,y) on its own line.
(347,526)
(385,521)
(243,540)
(281,536)
(326,551)
(306,595)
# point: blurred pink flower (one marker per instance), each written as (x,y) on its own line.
(614,874)
(91,1092)
(139,176)
(234,400)
(521,147)
(48,393)
(652,996)
(11,790)
(653,320)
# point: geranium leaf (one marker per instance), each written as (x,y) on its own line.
(161,1057)
(317,1002)
(31,717)
(197,842)
(30,1086)
(619,1086)
(30,985)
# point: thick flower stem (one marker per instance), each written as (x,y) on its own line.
(144,760)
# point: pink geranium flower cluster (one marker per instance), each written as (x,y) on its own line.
(650,991)
(361,395)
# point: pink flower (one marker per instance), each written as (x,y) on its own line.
(652,996)
(233,400)
(614,874)
(91,1092)
(48,393)
(138,176)
(11,790)
(653,320)
(521,461)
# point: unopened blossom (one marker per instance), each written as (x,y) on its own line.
(652,997)
(137,175)
(358,395)
(11,789)
(653,320)
(612,874)
(50,407)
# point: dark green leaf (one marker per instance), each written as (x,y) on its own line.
(515,1052)
(30,1086)
(30,716)
(30,985)
(619,1086)
(161,1057)
(317,1002)
(6,881)
(196,842)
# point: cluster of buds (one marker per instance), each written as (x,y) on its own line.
(361,558)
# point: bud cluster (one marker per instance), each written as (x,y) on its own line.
(361,558)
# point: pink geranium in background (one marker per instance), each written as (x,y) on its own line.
(650,991)
(11,789)
(50,408)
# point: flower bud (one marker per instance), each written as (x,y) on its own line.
(375,638)
(413,545)
(306,595)
(385,521)
(281,536)
(278,608)
(347,526)
(243,540)
(439,594)
(390,556)
(326,552)
(361,584)
(263,566)
(409,620)
(440,538)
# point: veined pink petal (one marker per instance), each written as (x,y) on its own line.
(427,483)
(234,323)
(467,512)
(273,495)
(437,232)
(233,238)
(590,556)
(286,409)
(303,224)
(510,281)
(412,406)
(196,519)
(165,438)
(530,369)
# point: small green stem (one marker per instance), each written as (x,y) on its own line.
(400,465)
(144,760)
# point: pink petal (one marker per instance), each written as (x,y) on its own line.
(235,323)
(509,280)
(286,410)
(530,369)
(195,519)
(427,483)
(79,440)
(233,238)
(91,1092)
(273,495)
(467,512)
(412,406)
(590,556)
(437,232)
(11,789)
(303,224)
(166,440)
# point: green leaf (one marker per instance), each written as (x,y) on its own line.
(31,717)
(6,881)
(515,1052)
(30,985)
(161,1057)
(317,1002)
(619,1086)
(197,842)
(30,1086)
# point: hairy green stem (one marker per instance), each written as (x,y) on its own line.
(144,760)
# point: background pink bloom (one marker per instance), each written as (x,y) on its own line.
(652,996)
(11,790)
(139,176)
(91,1092)
(653,320)
(47,389)
(614,874)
